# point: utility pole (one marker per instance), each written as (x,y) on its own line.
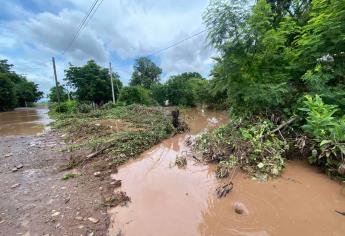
(56,82)
(111,82)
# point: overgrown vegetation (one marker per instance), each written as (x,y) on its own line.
(278,59)
(120,133)
(249,145)
(15,89)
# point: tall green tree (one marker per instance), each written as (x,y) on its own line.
(62,92)
(252,68)
(16,89)
(185,89)
(92,82)
(8,99)
(135,95)
(145,73)
(27,92)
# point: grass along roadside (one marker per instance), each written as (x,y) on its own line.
(119,133)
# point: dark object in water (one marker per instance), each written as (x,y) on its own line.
(341,213)
(222,191)
(240,208)
(175,114)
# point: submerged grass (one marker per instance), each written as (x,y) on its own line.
(120,133)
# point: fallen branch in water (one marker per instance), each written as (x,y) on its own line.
(339,212)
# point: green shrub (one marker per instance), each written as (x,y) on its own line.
(84,108)
(135,95)
(65,107)
(327,132)
(108,106)
(248,145)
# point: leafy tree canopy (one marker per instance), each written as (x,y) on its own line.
(145,73)
(92,82)
(62,92)
(16,90)
(135,95)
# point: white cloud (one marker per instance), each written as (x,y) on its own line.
(125,28)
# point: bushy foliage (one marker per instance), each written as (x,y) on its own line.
(186,89)
(327,132)
(135,95)
(248,145)
(62,92)
(146,73)
(8,98)
(65,107)
(92,82)
(84,108)
(108,106)
(16,90)
(272,53)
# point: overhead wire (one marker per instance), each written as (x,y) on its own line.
(81,26)
(177,43)
(93,13)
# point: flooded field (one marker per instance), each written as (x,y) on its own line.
(23,121)
(167,200)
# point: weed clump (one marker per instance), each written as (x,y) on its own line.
(248,145)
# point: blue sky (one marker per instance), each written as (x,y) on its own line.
(32,31)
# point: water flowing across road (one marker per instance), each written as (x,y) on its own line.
(24,121)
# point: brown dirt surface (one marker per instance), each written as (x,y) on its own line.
(34,200)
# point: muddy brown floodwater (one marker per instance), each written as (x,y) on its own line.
(167,200)
(24,121)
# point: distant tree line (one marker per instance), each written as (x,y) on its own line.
(90,83)
(15,89)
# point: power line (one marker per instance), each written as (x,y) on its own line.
(177,43)
(94,12)
(82,25)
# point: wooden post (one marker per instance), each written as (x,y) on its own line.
(56,83)
(111,82)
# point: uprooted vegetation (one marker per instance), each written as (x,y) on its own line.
(248,145)
(259,144)
(119,133)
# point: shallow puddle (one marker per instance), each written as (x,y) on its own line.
(23,121)
(167,200)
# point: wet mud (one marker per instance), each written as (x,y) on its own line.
(168,200)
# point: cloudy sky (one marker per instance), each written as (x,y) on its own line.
(32,31)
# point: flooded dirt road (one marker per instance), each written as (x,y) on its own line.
(34,200)
(167,200)
(24,121)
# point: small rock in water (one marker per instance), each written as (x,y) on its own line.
(240,208)
(15,185)
(93,220)
(9,154)
(97,174)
